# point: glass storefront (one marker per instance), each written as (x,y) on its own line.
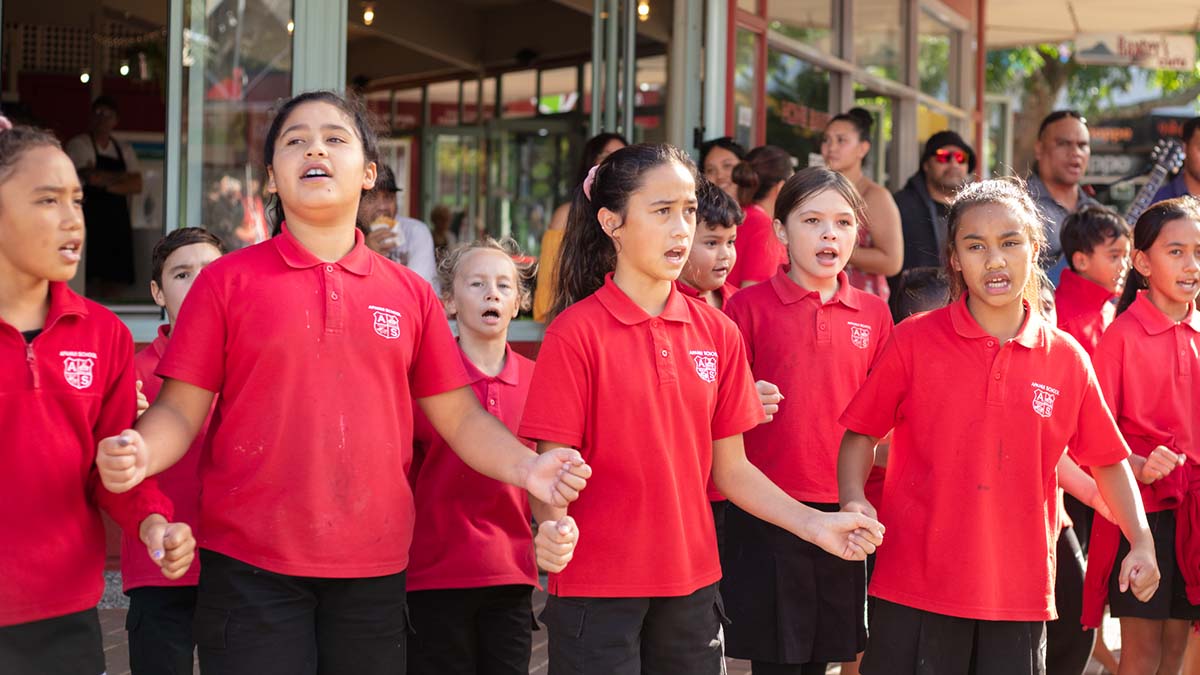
(937,56)
(797,106)
(808,21)
(744,87)
(879,37)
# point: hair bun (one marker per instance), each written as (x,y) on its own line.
(863,119)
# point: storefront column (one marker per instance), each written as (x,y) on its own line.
(683,80)
(716,32)
(319,46)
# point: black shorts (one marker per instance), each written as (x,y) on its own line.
(908,641)
(64,645)
(159,624)
(251,621)
(790,602)
(1170,600)
(469,631)
(719,509)
(635,636)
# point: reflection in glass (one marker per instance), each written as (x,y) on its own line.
(881,108)
(879,37)
(808,21)
(935,58)
(519,90)
(743,87)
(797,106)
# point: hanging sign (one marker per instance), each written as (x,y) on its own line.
(1160,51)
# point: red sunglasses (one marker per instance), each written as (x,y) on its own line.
(943,156)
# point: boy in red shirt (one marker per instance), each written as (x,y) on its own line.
(66,380)
(160,612)
(1096,243)
(713,254)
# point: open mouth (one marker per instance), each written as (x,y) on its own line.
(677,255)
(490,316)
(827,256)
(1189,285)
(71,250)
(997,284)
(315,171)
(720,271)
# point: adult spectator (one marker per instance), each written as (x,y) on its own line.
(109,171)
(1187,181)
(401,239)
(924,201)
(1062,152)
(718,158)
(880,250)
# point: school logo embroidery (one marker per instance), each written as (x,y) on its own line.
(1043,399)
(860,334)
(706,365)
(79,368)
(387,322)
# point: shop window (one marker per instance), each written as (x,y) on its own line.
(519,90)
(882,109)
(879,37)
(807,21)
(936,57)
(745,59)
(797,106)
(443,104)
(560,91)
(407,109)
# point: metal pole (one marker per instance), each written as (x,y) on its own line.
(611,56)
(597,62)
(716,32)
(630,66)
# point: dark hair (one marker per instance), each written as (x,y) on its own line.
(808,183)
(105,101)
(1010,193)
(1146,231)
(761,170)
(1189,129)
(591,151)
(587,252)
(1089,227)
(861,118)
(175,240)
(922,289)
(715,208)
(351,107)
(1058,115)
(725,143)
(17,141)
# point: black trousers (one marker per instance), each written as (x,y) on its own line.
(635,636)
(64,645)
(1068,646)
(471,631)
(251,621)
(159,624)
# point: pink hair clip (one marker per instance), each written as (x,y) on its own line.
(587,182)
(5,125)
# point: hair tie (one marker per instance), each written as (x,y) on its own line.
(5,124)
(589,181)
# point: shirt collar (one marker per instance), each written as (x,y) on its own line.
(790,292)
(627,311)
(160,343)
(357,261)
(1031,334)
(64,301)
(1154,321)
(510,374)
(1041,193)
(1090,293)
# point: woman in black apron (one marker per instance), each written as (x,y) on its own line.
(109,244)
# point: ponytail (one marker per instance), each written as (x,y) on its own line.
(763,168)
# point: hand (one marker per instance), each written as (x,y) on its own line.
(555,543)
(143,404)
(170,545)
(861,506)
(557,476)
(122,461)
(381,240)
(770,396)
(851,536)
(1156,467)
(1139,572)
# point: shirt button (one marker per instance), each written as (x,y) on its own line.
(664,353)
(822,326)
(334,295)
(991,343)
(329,268)
(996,376)
(491,401)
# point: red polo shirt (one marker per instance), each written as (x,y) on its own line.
(759,252)
(62,393)
(471,531)
(727,290)
(818,354)
(643,398)
(1149,368)
(971,487)
(316,365)
(181,483)
(1084,309)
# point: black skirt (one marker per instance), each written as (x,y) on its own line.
(788,601)
(1170,600)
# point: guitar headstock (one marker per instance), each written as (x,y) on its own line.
(1168,154)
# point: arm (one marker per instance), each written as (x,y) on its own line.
(159,439)
(421,258)
(125,183)
(855,459)
(1081,486)
(886,254)
(847,535)
(487,446)
(1139,570)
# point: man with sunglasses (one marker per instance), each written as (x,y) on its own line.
(1062,152)
(946,165)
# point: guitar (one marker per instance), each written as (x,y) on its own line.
(1167,157)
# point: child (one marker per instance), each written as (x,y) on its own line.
(1147,363)
(793,607)
(67,380)
(983,396)
(759,178)
(714,253)
(1096,244)
(317,348)
(471,567)
(655,391)
(160,613)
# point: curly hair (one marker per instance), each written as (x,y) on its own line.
(524,272)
